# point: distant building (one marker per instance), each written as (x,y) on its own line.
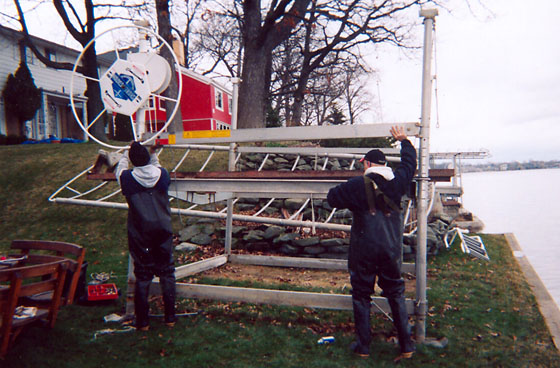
(205,105)
(55,117)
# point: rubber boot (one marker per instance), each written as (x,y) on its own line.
(168,292)
(362,326)
(141,306)
(400,320)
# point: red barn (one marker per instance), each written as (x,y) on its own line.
(205,105)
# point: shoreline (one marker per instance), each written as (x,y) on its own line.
(547,306)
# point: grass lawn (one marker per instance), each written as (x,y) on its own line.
(485,309)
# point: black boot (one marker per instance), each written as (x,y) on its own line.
(167,284)
(141,306)
(361,309)
(400,320)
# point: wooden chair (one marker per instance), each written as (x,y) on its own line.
(18,282)
(73,252)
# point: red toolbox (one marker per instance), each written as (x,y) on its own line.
(102,292)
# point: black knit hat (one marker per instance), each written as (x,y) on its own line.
(138,154)
(375,156)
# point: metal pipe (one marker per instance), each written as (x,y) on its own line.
(231,164)
(215,215)
(421,262)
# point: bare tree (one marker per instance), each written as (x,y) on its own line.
(261,34)
(220,41)
(334,31)
(356,96)
(189,12)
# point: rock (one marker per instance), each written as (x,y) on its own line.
(273,232)
(280,160)
(271,210)
(332,242)
(304,167)
(343,214)
(285,238)
(188,232)
(335,165)
(257,157)
(306,242)
(341,249)
(244,206)
(293,204)
(314,249)
(288,249)
(208,229)
(253,236)
(186,247)
(201,239)
(207,220)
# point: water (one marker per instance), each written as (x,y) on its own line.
(527,204)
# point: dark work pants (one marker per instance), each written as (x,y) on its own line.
(363,273)
(157,261)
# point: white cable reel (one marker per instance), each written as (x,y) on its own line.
(128,85)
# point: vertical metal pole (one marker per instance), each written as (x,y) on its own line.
(454,178)
(231,164)
(421,263)
(140,123)
(131,284)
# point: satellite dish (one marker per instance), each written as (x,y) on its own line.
(128,85)
(158,69)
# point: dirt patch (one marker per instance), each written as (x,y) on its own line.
(337,281)
(282,275)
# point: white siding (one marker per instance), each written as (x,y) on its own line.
(48,79)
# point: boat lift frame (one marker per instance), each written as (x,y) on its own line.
(298,188)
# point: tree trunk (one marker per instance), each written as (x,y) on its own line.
(297,106)
(164,28)
(253,91)
(93,93)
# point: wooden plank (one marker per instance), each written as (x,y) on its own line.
(307,133)
(200,266)
(276,297)
(440,175)
(318,263)
(300,262)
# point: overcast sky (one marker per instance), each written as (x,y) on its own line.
(498,81)
(498,78)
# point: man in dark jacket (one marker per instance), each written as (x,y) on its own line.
(376,239)
(149,229)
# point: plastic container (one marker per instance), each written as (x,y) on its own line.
(102,292)
(325,340)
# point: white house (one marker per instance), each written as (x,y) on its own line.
(55,117)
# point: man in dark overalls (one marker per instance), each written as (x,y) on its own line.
(149,229)
(376,239)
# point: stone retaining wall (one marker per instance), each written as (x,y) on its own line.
(292,241)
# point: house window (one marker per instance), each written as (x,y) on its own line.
(51,54)
(219,100)
(160,105)
(229,100)
(29,57)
